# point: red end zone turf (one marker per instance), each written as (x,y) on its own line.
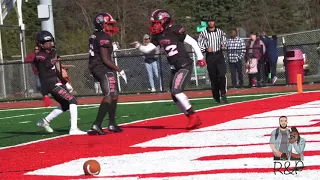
(16,161)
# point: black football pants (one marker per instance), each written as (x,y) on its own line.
(217,73)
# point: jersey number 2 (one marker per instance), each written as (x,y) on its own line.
(172,50)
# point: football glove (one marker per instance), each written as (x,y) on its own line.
(58,84)
(123,75)
(69,87)
(136,44)
(201,63)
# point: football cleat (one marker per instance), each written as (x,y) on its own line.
(194,121)
(44,124)
(98,130)
(224,99)
(114,128)
(77,132)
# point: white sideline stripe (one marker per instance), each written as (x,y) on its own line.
(148,102)
(21,109)
(23,115)
(56,137)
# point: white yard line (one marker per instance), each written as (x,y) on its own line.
(24,122)
(56,137)
(148,102)
(23,115)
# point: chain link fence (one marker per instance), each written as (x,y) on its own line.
(132,62)
(307,42)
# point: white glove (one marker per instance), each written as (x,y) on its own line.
(136,44)
(123,75)
(69,87)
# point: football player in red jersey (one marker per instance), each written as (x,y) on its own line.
(52,82)
(172,38)
(103,68)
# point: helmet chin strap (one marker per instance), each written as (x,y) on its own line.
(47,49)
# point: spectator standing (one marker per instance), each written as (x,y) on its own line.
(151,63)
(272,54)
(236,49)
(254,51)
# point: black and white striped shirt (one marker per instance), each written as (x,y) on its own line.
(213,39)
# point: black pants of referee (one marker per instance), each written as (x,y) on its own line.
(217,73)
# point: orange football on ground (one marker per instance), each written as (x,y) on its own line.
(91,167)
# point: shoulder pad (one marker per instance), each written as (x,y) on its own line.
(178,29)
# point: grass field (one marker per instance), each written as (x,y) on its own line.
(19,125)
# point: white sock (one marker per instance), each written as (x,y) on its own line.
(100,91)
(96,87)
(56,112)
(183,100)
(180,107)
(74,116)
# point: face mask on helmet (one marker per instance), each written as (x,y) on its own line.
(48,45)
(45,40)
(156,27)
(108,24)
(160,20)
(110,28)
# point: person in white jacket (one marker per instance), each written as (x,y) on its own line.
(151,63)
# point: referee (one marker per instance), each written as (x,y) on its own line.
(212,41)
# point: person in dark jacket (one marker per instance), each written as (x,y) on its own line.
(272,53)
(254,57)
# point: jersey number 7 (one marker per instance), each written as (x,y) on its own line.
(172,50)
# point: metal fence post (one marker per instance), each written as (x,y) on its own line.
(161,72)
(116,63)
(2,73)
(160,80)
(318,57)
(3,81)
(263,69)
(23,55)
(195,67)
(285,62)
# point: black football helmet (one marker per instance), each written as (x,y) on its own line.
(160,20)
(43,37)
(105,22)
